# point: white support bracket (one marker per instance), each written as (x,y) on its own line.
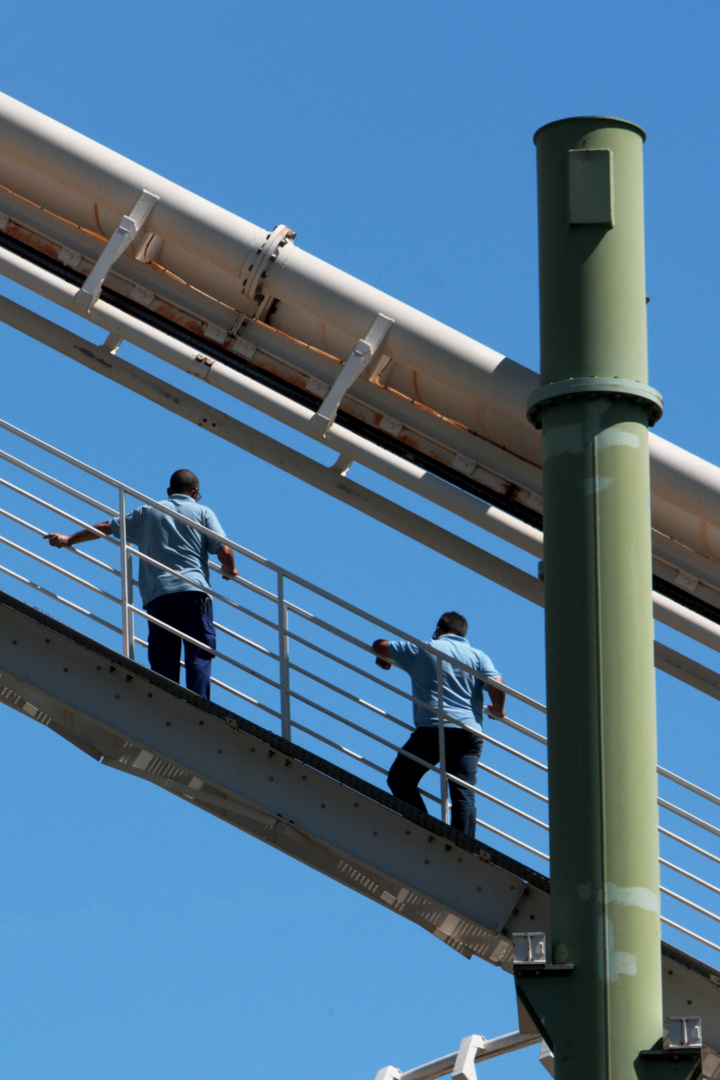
(126,231)
(364,351)
(389,1073)
(464,1067)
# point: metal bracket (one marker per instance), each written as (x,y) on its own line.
(342,465)
(529,948)
(389,1073)
(684,1032)
(255,268)
(464,1067)
(126,231)
(364,351)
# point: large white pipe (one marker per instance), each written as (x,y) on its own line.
(85,182)
(269,401)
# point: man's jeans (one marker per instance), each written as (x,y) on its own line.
(462,750)
(191,612)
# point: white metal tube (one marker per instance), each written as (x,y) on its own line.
(284,658)
(503,1044)
(128,628)
(90,185)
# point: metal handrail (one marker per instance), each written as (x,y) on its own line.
(278,622)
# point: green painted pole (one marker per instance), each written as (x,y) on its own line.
(594,406)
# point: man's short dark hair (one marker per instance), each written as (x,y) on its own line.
(452,623)
(183,482)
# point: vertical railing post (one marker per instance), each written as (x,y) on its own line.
(444,798)
(284,653)
(126,580)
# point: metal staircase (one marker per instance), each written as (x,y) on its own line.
(300,768)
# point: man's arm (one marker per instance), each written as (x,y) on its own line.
(226,558)
(62,540)
(382,654)
(497,700)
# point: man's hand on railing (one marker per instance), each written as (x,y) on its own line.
(62,540)
(496,708)
(58,540)
(226,558)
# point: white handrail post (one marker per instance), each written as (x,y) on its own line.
(284,655)
(444,799)
(126,585)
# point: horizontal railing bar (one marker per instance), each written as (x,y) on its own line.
(689,903)
(499,802)
(419,761)
(350,697)
(512,839)
(246,641)
(503,1044)
(708,795)
(60,513)
(426,794)
(348,723)
(60,599)
(202,645)
(522,729)
(245,697)
(59,484)
(347,664)
(514,783)
(352,640)
(689,844)
(338,746)
(40,532)
(692,877)
(381,712)
(684,930)
(511,749)
(58,569)
(251,586)
(687,816)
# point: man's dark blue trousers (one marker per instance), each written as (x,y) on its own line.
(191,612)
(462,750)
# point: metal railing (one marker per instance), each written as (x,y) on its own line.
(297,658)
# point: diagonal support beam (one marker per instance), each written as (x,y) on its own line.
(364,351)
(127,230)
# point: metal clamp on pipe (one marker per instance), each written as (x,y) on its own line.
(545,396)
(257,262)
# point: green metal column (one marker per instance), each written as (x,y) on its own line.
(594,406)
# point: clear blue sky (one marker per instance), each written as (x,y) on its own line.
(140,938)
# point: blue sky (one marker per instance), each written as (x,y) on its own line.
(141,938)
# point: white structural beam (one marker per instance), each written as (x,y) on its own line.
(263,301)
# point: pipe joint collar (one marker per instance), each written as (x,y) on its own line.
(593,387)
(259,260)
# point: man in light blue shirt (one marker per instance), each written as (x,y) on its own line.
(180,602)
(462,708)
